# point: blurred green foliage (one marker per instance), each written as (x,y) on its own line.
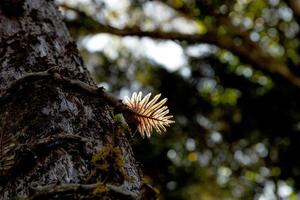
(237,131)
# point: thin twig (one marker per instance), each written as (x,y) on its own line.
(53,74)
(121,190)
(52,189)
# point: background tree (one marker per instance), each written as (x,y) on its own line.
(59,138)
(235,94)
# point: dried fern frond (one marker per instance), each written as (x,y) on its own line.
(150,114)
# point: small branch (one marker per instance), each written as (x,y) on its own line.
(52,189)
(29,77)
(121,190)
(54,75)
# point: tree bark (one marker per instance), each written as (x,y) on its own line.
(57,140)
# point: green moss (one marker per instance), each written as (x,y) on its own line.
(100,189)
(109,162)
(119,118)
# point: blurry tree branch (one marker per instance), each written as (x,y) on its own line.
(182,9)
(295,6)
(248,51)
(219,20)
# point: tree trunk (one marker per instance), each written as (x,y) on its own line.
(58,140)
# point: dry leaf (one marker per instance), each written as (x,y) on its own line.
(151,114)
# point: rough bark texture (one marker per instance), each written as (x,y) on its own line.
(57,142)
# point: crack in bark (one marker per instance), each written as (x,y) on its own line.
(25,151)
